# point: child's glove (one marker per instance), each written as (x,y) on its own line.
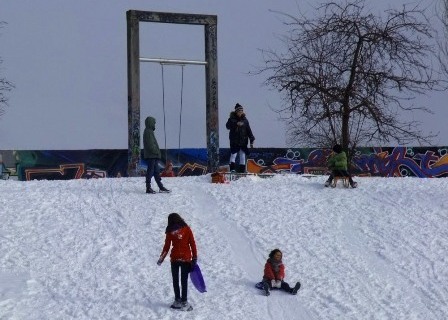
(194,262)
(159,262)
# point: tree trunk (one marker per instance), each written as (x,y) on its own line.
(345,134)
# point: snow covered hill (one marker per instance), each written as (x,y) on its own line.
(87,249)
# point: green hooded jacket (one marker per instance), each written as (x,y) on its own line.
(337,161)
(151,148)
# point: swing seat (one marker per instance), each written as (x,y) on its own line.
(345,182)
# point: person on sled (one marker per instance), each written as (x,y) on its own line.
(337,163)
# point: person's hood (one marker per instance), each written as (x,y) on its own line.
(150,123)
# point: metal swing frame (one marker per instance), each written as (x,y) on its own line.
(134,17)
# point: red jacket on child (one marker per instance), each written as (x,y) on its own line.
(270,274)
(184,246)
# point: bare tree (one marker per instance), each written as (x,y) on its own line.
(346,76)
(5,86)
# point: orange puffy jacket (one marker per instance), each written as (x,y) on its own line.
(269,273)
(184,246)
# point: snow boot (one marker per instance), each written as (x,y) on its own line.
(177,304)
(266,289)
(327,183)
(164,190)
(232,166)
(296,288)
(353,184)
(185,306)
(242,168)
(149,190)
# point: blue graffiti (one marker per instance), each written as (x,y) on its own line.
(399,164)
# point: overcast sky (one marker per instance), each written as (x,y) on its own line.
(67,60)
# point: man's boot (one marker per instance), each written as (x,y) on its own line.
(242,168)
(232,166)
(149,189)
(163,189)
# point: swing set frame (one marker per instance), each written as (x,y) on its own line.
(134,17)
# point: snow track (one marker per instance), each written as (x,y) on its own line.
(251,258)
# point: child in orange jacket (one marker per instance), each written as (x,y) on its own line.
(183,256)
(274,273)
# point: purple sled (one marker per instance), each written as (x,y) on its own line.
(197,279)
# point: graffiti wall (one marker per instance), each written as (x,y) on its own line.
(384,162)
(423,162)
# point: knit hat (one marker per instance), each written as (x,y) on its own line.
(238,107)
(337,148)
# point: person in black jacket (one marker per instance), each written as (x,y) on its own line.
(239,135)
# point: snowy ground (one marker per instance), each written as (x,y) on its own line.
(87,249)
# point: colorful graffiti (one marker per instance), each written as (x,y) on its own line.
(64,172)
(294,161)
(400,162)
(385,162)
(422,162)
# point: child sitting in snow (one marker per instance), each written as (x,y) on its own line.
(274,273)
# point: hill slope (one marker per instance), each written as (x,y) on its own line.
(87,249)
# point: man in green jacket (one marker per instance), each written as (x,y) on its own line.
(152,155)
(337,163)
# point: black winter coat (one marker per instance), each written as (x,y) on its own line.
(239,136)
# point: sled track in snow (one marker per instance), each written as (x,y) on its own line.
(251,259)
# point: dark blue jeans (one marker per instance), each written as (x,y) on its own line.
(285,285)
(153,171)
(185,268)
